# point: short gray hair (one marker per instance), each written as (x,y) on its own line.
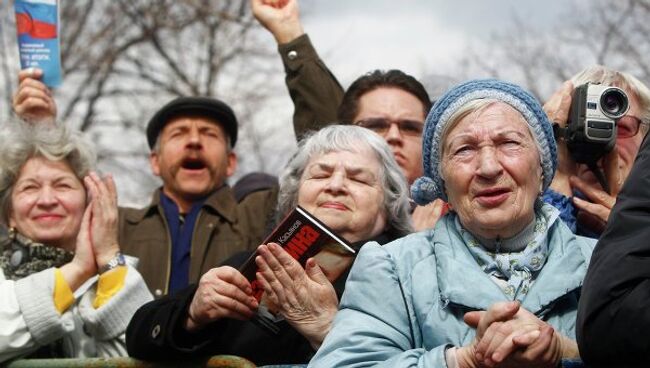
(606,76)
(20,141)
(350,138)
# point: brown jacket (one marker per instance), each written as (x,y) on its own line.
(223,227)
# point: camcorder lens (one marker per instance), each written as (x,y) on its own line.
(614,102)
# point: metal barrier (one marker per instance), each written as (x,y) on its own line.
(217,361)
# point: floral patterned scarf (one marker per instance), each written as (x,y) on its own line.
(520,268)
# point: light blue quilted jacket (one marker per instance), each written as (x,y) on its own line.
(404,302)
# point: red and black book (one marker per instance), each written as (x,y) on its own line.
(302,236)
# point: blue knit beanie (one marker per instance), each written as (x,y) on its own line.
(431,186)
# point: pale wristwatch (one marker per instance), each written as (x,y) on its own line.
(116,261)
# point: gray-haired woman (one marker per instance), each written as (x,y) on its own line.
(345,176)
(61,220)
(497,281)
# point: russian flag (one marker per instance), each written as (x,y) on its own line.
(38,42)
(36,18)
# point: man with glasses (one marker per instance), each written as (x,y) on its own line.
(391,103)
(574,187)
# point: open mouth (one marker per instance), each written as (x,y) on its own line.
(492,192)
(193,164)
(492,197)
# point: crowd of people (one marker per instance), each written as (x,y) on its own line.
(480,240)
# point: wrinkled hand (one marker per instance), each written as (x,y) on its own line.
(280,17)
(467,356)
(558,105)
(594,212)
(519,342)
(425,217)
(103,224)
(305,297)
(33,101)
(223,292)
(517,339)
(557,109)
(543,349)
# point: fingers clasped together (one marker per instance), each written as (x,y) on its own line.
(508,335)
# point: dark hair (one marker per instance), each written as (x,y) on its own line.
(393,78)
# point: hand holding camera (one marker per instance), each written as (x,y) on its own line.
(591,130)
(586,130)
(557,109)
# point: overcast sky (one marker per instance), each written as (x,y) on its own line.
(420,37)
(416,36)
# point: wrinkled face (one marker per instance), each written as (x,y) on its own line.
(343,190)
(627,148)
(193,158)
(400,109)
(492,171)
(48,203)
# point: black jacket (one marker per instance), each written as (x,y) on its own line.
(156,331)
(613,322)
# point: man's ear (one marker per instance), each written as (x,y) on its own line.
(153,162)
(232,163)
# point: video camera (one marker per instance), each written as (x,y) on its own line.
(591,129)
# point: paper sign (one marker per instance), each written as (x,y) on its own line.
(38,38)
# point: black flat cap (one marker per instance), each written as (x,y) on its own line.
(193,106)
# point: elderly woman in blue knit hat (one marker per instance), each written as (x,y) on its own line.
(497,281)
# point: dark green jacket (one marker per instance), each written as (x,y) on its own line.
(315,92)
(224,227)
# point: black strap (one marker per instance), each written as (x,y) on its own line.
(558,131)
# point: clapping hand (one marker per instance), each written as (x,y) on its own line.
(104,217)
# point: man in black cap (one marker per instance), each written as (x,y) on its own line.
(193,222)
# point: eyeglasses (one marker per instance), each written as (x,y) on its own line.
(381,126)
(628,126)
